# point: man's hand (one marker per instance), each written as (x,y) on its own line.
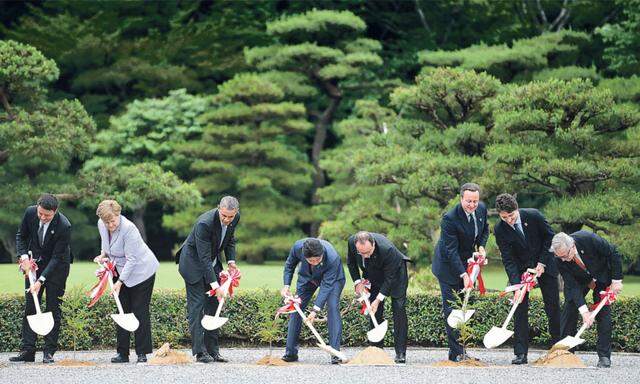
(539,269)
(616,287)
(100,259)
(517,296)
(35,288)
(312,316)
(117,286)
(285,292)
(586,318)
(220,293)
(232,266)
(359,289)
(374,306)
(466,281)
(483,252)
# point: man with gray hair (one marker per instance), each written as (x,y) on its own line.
(588,262)
(385,267)
(200,264)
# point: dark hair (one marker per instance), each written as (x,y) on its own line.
(364,236)
(472,187)
(48,201)
(312,248)
(506,203)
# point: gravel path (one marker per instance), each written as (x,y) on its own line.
(314,368)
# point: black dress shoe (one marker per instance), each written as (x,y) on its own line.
(336,360)
(604,362)
(120,358)
(290,358)
(48,358)
(401,358)
(204,358)
(219,359)
(519,359)
(24,356)
(463,357)
(142,358)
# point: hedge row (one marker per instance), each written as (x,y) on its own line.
(169,322)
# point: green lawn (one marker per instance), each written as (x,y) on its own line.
(268,275)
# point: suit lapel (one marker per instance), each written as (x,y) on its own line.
(50,229)
(217,229)
(466,225)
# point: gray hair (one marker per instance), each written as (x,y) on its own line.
(229,202)
(561,242)
(363,237)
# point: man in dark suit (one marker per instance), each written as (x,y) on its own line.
(463,230)
(588,262)
(386,269)
(524,237)
(200,264)
(46,233)
(320,267)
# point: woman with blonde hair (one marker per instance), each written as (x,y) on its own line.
(136,265)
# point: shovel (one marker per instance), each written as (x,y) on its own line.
(127,321)
(214,322)
(327,348)
(40,323)
(379,330)
(461,316)
(496,336)
(573,341)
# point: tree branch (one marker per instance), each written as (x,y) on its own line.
(423,20)
(596,227)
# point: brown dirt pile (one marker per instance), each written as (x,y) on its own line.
(463,363)
(74,363)
(167,356)
(271,360)
(560,359)
(371,356)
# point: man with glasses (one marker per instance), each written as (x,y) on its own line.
(200,265)
(588,262)
(462,230)
(524,237)
(385,267)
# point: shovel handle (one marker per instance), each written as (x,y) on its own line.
(309,324)
(36,302)
(115,295)
(373,316)
(593,315)
(513,308)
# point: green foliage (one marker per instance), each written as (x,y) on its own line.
(567,73)
(622,40)
(270,326)
(426,323)
(623,89)
(77,317)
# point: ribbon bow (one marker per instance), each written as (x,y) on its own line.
(480,261)
(607,295)
(289,305)
(365,295)
(234,275)
(107,271)
(30,264)
(527,280)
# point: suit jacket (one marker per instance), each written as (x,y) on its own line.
(326,274)
(54,256)
(457,242)
(517,253)
(602,260)
(384,269)
(199,255)
(134,260)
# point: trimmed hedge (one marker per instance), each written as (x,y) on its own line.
(426,327)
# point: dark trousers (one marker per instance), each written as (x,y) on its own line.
(136,299)
(334,322)
(549,286)
(54,287)
(400,323)
(450,294)
(603,319)
(198,305)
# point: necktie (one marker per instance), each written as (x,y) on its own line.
(472,218)
(223,232)
(580,263)
(519,230)
(41,234)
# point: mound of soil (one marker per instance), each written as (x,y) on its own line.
(560,359)
(371,356)
(271,360)
(463,363)
(167,356)
(75,363)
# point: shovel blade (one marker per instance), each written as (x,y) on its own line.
(41,323)
(127,321)
(496,337)
(567,343)
(377,334)
(457,317)
(211,322)
(334,352)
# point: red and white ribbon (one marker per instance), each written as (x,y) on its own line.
(607,295)
(108,271)
(289,305)
(31,265)
(234,275)
(527,280)
(365,295)
(479,261)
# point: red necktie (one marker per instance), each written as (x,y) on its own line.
(580,263)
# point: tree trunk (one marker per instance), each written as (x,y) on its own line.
(138,220)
